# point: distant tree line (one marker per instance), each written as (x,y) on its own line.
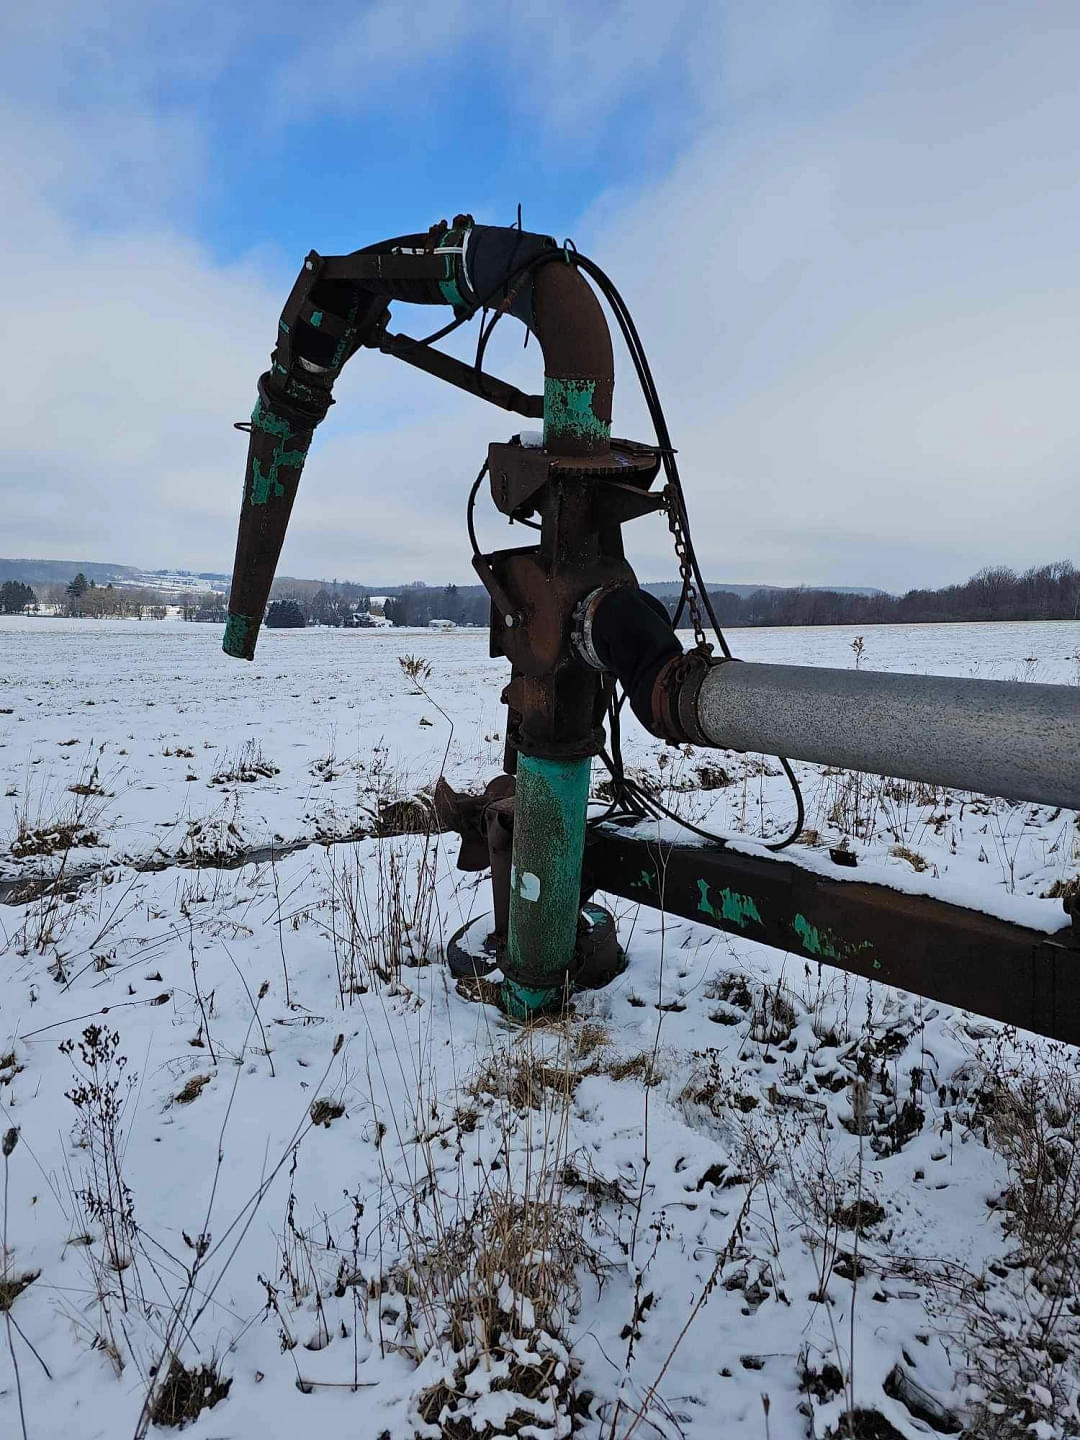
(419,605)
(1045,592)
(307,604)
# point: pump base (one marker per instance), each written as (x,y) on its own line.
(475,951)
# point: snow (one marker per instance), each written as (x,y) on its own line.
(242,976)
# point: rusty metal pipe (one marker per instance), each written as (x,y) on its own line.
(996,737)
(579,366)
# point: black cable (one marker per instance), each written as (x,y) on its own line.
(667,455)
(470,506)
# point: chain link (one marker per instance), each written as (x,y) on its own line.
(686,573)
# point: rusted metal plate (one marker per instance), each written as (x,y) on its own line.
(546,598)
(519,471)
(1010,973)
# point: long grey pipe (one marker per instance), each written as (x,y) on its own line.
(996,737)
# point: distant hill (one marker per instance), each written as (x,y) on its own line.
(59,572)
(662,589)
(671,589)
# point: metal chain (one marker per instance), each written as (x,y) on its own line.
(686,574)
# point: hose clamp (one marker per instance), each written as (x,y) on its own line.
(675,698)
(581,636)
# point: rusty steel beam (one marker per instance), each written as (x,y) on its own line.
(1021,976)
(465,377)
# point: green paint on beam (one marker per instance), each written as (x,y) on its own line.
(236,634)
(827,945)
(737,909)
(316,318)
(568,410)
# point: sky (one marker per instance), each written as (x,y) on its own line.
(848,230)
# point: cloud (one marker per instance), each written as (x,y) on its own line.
(564,66)
(863,314)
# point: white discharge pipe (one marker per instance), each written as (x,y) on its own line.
(996,737)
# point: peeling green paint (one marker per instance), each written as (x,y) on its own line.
(316,318)
(296,390)
(568,410)
(735,908)
(827,945)
(646,881)
(236,633)
(263,418)
(265,484)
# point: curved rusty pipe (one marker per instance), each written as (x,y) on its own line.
(329,316)
(579,365)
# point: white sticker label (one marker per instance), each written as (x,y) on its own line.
(526,885)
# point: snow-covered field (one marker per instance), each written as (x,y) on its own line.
(731,1194)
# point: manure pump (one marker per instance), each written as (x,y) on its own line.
(581,638)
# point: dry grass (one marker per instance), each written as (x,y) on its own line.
(324,1112)
(192,1090)
(918,862)
(1022,1332)
(185,1393)
(46,825)
(12,1286)
(1064,890)
(244,767)
(522,1078)
(643,1066)
(384,913)
(487,1279)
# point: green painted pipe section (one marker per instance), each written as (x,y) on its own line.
(237,628)
(550,810)
(569,413)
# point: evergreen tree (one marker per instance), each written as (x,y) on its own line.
(15,597)
(285,615)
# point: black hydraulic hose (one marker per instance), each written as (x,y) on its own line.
(631,636)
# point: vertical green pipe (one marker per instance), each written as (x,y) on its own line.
(551,802)
(550,810)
